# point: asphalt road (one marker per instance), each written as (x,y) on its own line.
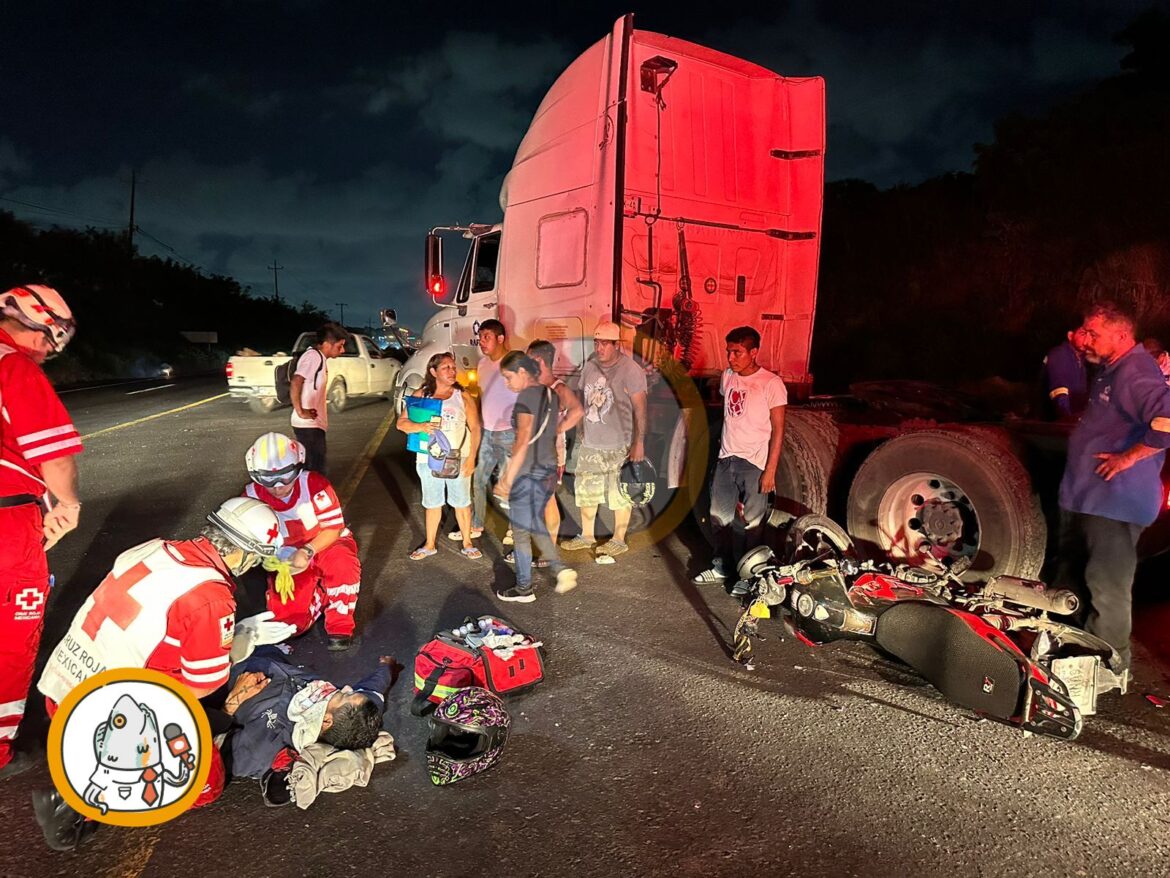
(645,752)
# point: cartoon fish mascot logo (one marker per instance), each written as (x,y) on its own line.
(130,747)
(130,773)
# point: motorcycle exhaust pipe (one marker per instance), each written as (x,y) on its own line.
(1031,593)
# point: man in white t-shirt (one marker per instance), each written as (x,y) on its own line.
(749,452)
(310,417)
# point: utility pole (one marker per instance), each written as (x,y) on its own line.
(130,225)
(275,283)
(341,305)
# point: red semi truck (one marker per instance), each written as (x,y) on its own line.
(678,191)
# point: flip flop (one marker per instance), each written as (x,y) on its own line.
(471,552)
(422,552)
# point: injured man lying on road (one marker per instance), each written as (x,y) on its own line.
(279,710)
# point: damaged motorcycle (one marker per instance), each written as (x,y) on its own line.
(992,648)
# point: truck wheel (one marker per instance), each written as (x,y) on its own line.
(262,405)
(802,479)
(338,396)
(943,495)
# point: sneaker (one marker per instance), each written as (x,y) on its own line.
(64,829)
(566,580)
(740,589)
(340,642)
(457,534)
(613,548)
(710,577)
(510,558)
(516,595)
(576,544)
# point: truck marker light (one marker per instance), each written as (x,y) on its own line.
(230,370)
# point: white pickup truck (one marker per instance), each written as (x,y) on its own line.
(363,370)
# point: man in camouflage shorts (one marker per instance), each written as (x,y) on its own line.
(614,396)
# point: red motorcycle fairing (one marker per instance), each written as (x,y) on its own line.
(873,589)
(977,666)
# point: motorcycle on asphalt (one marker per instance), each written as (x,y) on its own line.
(993,648)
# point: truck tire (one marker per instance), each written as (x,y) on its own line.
(806,461)
(948,494)
(262,405)
(337,396)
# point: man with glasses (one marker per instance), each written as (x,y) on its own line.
(1111,489)
(614,397)
(319,548)
(38,489)
(307,390)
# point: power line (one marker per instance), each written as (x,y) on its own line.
(275,283)
(58,210)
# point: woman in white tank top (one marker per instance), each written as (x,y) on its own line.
(459,422)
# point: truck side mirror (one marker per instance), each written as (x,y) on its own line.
(436,283)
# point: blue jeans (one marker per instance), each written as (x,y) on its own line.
(493,452)
(526,502)
(736,481)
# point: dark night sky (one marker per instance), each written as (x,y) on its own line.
(331,136)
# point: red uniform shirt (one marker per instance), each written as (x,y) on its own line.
(311,508)
(167,606)
(34,426)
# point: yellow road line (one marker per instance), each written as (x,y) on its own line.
(363,463)
(181,408)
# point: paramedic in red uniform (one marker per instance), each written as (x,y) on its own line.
(38,489)
(170,606)
(323,555)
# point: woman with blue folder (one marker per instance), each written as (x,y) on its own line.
(442,427)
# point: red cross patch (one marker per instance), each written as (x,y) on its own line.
(227,630)
(322,500)
(30,600)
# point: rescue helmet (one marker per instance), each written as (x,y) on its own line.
(468,731)
(249,525)
(275,460)
(42,309)
(636,482)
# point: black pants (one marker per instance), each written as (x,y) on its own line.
(1097,560)
(313,438)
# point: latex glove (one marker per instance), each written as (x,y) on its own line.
(284,553)
(256,631)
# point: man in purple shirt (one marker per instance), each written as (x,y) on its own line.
(1112,488)
(496,402)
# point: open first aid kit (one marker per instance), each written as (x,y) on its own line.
(486,652)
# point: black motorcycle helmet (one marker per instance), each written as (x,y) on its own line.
(636,482)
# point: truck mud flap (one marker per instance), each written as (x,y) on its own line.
(966,668)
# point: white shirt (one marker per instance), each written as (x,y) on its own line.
(314,368)
(747,414)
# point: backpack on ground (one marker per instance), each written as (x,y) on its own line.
(286,371)
(456,659)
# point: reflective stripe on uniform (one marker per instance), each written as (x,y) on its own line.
(1162,425)
(1059,391)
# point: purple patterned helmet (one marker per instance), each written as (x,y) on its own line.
(468,731)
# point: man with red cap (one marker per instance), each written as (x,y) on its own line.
(38,489)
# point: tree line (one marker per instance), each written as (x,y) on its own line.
(131,308)
(973,275)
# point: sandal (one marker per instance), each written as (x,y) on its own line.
(471,552)
(422,552)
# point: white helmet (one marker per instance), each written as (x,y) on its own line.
(249,524)
(274,460)
(41,308)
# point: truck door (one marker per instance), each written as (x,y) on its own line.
(476,299)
